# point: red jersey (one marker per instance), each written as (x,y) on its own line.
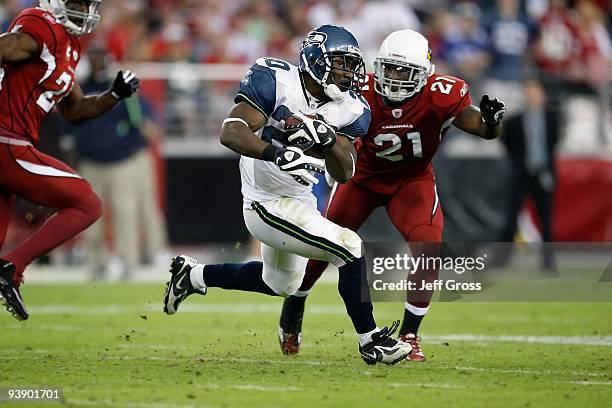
(402,140)
(29,89)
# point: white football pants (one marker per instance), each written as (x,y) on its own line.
(292,231)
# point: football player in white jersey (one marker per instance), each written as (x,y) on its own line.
(318,104)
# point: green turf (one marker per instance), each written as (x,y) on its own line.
(110,345)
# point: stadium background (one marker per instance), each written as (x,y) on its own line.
(191,55)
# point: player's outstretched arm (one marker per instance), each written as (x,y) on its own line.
(15,47)
(484,122)
(78,108)
(340,159)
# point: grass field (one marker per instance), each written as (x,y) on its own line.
(110,345)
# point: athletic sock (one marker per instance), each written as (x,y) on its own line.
(196,275)
(350,277)
(413,315)
(246,277)
(365,338)
(292,314)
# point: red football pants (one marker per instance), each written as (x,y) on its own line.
(414,209)
(43,180)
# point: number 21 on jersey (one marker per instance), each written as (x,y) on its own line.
(443,84)
(47,99)
(396,144)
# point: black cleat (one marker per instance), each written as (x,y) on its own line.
(384,349)
(9,292)
(179,287)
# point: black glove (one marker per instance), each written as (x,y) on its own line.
(491,110)
(312,132)
(293,161)
(125,84)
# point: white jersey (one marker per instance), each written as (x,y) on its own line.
(274,87)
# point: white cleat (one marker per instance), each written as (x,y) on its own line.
(384,349)
(179,287)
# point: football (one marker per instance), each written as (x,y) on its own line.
(291,126)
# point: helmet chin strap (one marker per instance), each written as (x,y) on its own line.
(331,90)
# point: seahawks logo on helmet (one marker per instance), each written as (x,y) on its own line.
(314,37)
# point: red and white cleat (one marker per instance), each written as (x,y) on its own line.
(417,354)
(289,342)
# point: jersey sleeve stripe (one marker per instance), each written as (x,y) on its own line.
(241,96)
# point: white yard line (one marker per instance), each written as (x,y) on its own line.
(221,360)
(528,371)
(227,308)
(556,340)
(590,382)
(288,361)
(425,385)
(248,387)
(42,327)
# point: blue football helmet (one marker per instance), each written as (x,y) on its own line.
(331,55)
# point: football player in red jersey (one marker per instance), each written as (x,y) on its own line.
(412,108)
(38,59)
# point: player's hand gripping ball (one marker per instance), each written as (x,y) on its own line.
(311,134)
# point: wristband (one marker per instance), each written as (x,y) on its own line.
(269,153)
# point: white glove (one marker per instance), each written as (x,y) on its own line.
(293,161)
(314,131)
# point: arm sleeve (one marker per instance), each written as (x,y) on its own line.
(258,89)
(357,128)
(38,28)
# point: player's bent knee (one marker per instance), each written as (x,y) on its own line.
(425,233)
(350,241)
(283,288)
(91,206)
(284,283)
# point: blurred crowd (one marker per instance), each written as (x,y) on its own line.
(505,39)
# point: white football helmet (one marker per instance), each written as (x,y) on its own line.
(75,22)
(402,65)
